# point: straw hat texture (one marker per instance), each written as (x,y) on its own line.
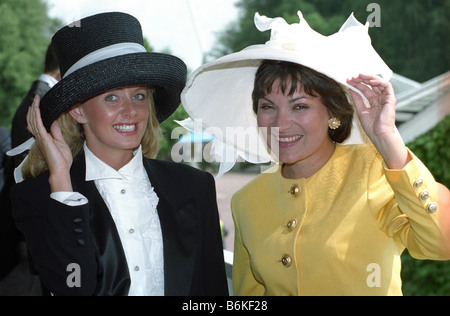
(104,52)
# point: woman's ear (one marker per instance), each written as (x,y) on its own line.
(78,115)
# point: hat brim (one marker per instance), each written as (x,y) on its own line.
(166,73)
(225,87)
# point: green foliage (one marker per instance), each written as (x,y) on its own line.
(25,31)
(413,36)
(433,148)
(167,127)
(423,277)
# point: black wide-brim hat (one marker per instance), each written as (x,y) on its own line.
(105,52)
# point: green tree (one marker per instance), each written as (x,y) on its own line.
(25,31)
(413,36)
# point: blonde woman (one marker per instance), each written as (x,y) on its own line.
(99,214)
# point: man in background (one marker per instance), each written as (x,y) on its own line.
(50,76)
(17,274)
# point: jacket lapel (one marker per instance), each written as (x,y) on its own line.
(113,274)
(179,229)
(177,214)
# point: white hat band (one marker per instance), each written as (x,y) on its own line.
(105,53)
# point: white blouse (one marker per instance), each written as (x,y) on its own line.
(132,203)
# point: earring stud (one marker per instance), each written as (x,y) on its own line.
(334,123)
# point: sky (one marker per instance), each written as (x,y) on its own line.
(186,27)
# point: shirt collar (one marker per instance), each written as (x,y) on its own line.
(48,80)
(96,169)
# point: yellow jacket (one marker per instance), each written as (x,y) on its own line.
(339,232)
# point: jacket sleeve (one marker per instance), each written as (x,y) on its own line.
(411,213)
(57,237)
(244,282)
(213,258)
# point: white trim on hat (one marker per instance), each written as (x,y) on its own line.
(48,80)
(105,53)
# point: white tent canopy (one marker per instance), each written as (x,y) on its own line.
(420,106)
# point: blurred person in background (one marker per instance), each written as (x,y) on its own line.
(50,76)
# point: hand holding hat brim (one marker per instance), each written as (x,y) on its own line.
(379,118)
(53,147)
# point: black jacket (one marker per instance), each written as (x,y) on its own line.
(58,235)
(9,236)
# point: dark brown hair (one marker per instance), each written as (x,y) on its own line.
(332,94)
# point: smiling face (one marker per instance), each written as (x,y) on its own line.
(293,103)
(298,123)
(114,122)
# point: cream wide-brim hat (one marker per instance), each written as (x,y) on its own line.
(218,95)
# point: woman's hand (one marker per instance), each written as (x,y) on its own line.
(378,121)
(55,150)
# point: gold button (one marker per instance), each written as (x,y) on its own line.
(424,195)
(432,207)
(418,183)
(291,225)
(286,261)
(295,190)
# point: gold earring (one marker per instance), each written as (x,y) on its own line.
(334,123)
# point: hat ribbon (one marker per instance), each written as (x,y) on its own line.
(17,151)
(105,53)
(98,55)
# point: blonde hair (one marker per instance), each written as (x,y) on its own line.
(73,134)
